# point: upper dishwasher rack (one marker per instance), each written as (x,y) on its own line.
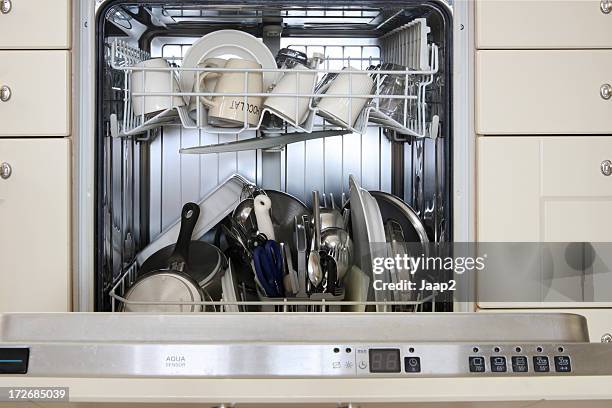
(406,47)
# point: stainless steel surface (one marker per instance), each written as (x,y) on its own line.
(606,91)
(297,328)
(606,167)
(301,247)
(605,6)
(285,208)
(330,216)
(296,360)
(5,93)
(6,6)
(391,207)
(338,241)
(234,346)
(315,271)
(146,180)
(265,142)
(163,287)
(5,170)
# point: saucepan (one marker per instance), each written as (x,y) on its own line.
(189,271)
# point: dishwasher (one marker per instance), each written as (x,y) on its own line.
(196,167)
(396,143)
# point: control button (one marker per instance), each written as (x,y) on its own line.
(498,364)
(412,364)
(363,365)
(14,360)
(519,364)
(563,364)
(477,365)
(540,364)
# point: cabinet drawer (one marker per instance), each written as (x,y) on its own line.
(543,24)
(35,24)
(35,220)
(543,92)
(39,103)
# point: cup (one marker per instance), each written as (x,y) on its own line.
(292,109)
(207,82)
(162,81)
(393,84)
(345,109)
(230,110)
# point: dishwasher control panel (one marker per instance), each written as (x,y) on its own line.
(292,360)
(477,360)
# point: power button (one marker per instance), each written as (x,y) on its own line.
(412,364)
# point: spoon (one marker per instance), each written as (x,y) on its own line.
(338,242)
(330,215)
(315,273)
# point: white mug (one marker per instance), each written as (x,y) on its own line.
(207,82)
(230,110)
(163,81)
(344,110)
(292,109)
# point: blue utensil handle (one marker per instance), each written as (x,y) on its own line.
(260,260)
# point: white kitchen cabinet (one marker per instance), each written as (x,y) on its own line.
(39,100)
(529,92)
(35,24)
(543,24)
(545,189)
(35,225)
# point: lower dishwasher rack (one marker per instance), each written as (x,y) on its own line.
(278,305)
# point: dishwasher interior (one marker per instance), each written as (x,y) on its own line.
(148,164)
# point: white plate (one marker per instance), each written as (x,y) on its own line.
(227,44)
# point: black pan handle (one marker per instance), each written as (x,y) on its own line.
(189,217)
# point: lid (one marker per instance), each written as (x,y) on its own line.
(163,287)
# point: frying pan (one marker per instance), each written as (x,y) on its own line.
(284,209)
(201,261)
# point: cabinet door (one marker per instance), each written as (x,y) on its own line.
(549,189)
(543,24)
(546,189)
(543,92)
(35,220)
(35,24)
(39,103)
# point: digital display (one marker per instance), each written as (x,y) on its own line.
(385,361)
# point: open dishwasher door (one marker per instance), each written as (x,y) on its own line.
(331,360)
